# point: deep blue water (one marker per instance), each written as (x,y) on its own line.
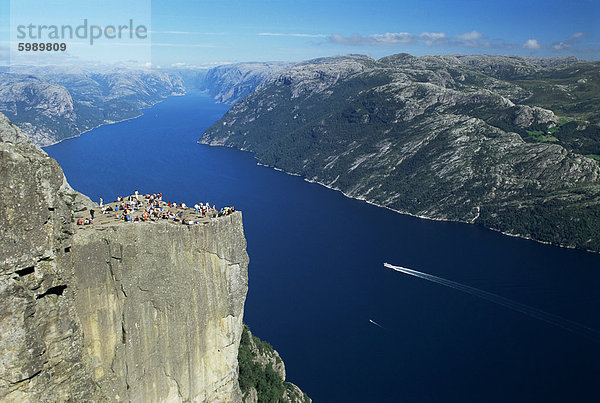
(317,276)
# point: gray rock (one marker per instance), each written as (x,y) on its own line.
(42,356)
(128,312)
(161,306)
(230,83)
(10,133)
(263,356)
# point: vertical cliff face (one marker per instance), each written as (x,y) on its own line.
(230,83)
(41,339)
(161,306)
(129,312)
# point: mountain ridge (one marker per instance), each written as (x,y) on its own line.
(56,103)
(437,137)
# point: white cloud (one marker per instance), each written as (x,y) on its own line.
(473,39)
(174,32)
(159,44)
(186,33)
(390,39)
(569,42)
(433,38)
(185,65)
(184,45)
(561,45)
(532,44)
(300,35)
(470,36)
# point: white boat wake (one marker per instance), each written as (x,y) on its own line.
(508,303)
(376,324)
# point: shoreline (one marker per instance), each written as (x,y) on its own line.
(113,122)
(445,220)
(363,199)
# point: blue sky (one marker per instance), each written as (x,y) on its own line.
(212,32)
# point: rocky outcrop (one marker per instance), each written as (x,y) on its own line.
(262,373)
(126,312)
(41,338)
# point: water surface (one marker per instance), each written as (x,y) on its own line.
(317,277)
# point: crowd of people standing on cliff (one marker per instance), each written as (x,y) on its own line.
(151,207)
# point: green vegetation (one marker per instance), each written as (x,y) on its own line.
(573,91)
(550,218)
(264,379)
(570,90)
(254,373)
(539,136)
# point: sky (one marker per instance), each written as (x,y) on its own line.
(204,33)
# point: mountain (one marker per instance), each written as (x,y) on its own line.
(509,143)
(51,104)
(54,103)
(232,82)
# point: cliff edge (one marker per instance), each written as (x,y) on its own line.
(161,305)
(139,312)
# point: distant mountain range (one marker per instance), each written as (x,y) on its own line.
(231,83)
(510,143)
(51,104)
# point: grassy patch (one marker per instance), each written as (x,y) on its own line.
(564,121)
(594,157)
(540,136)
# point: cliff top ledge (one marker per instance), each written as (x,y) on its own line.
(137,208)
